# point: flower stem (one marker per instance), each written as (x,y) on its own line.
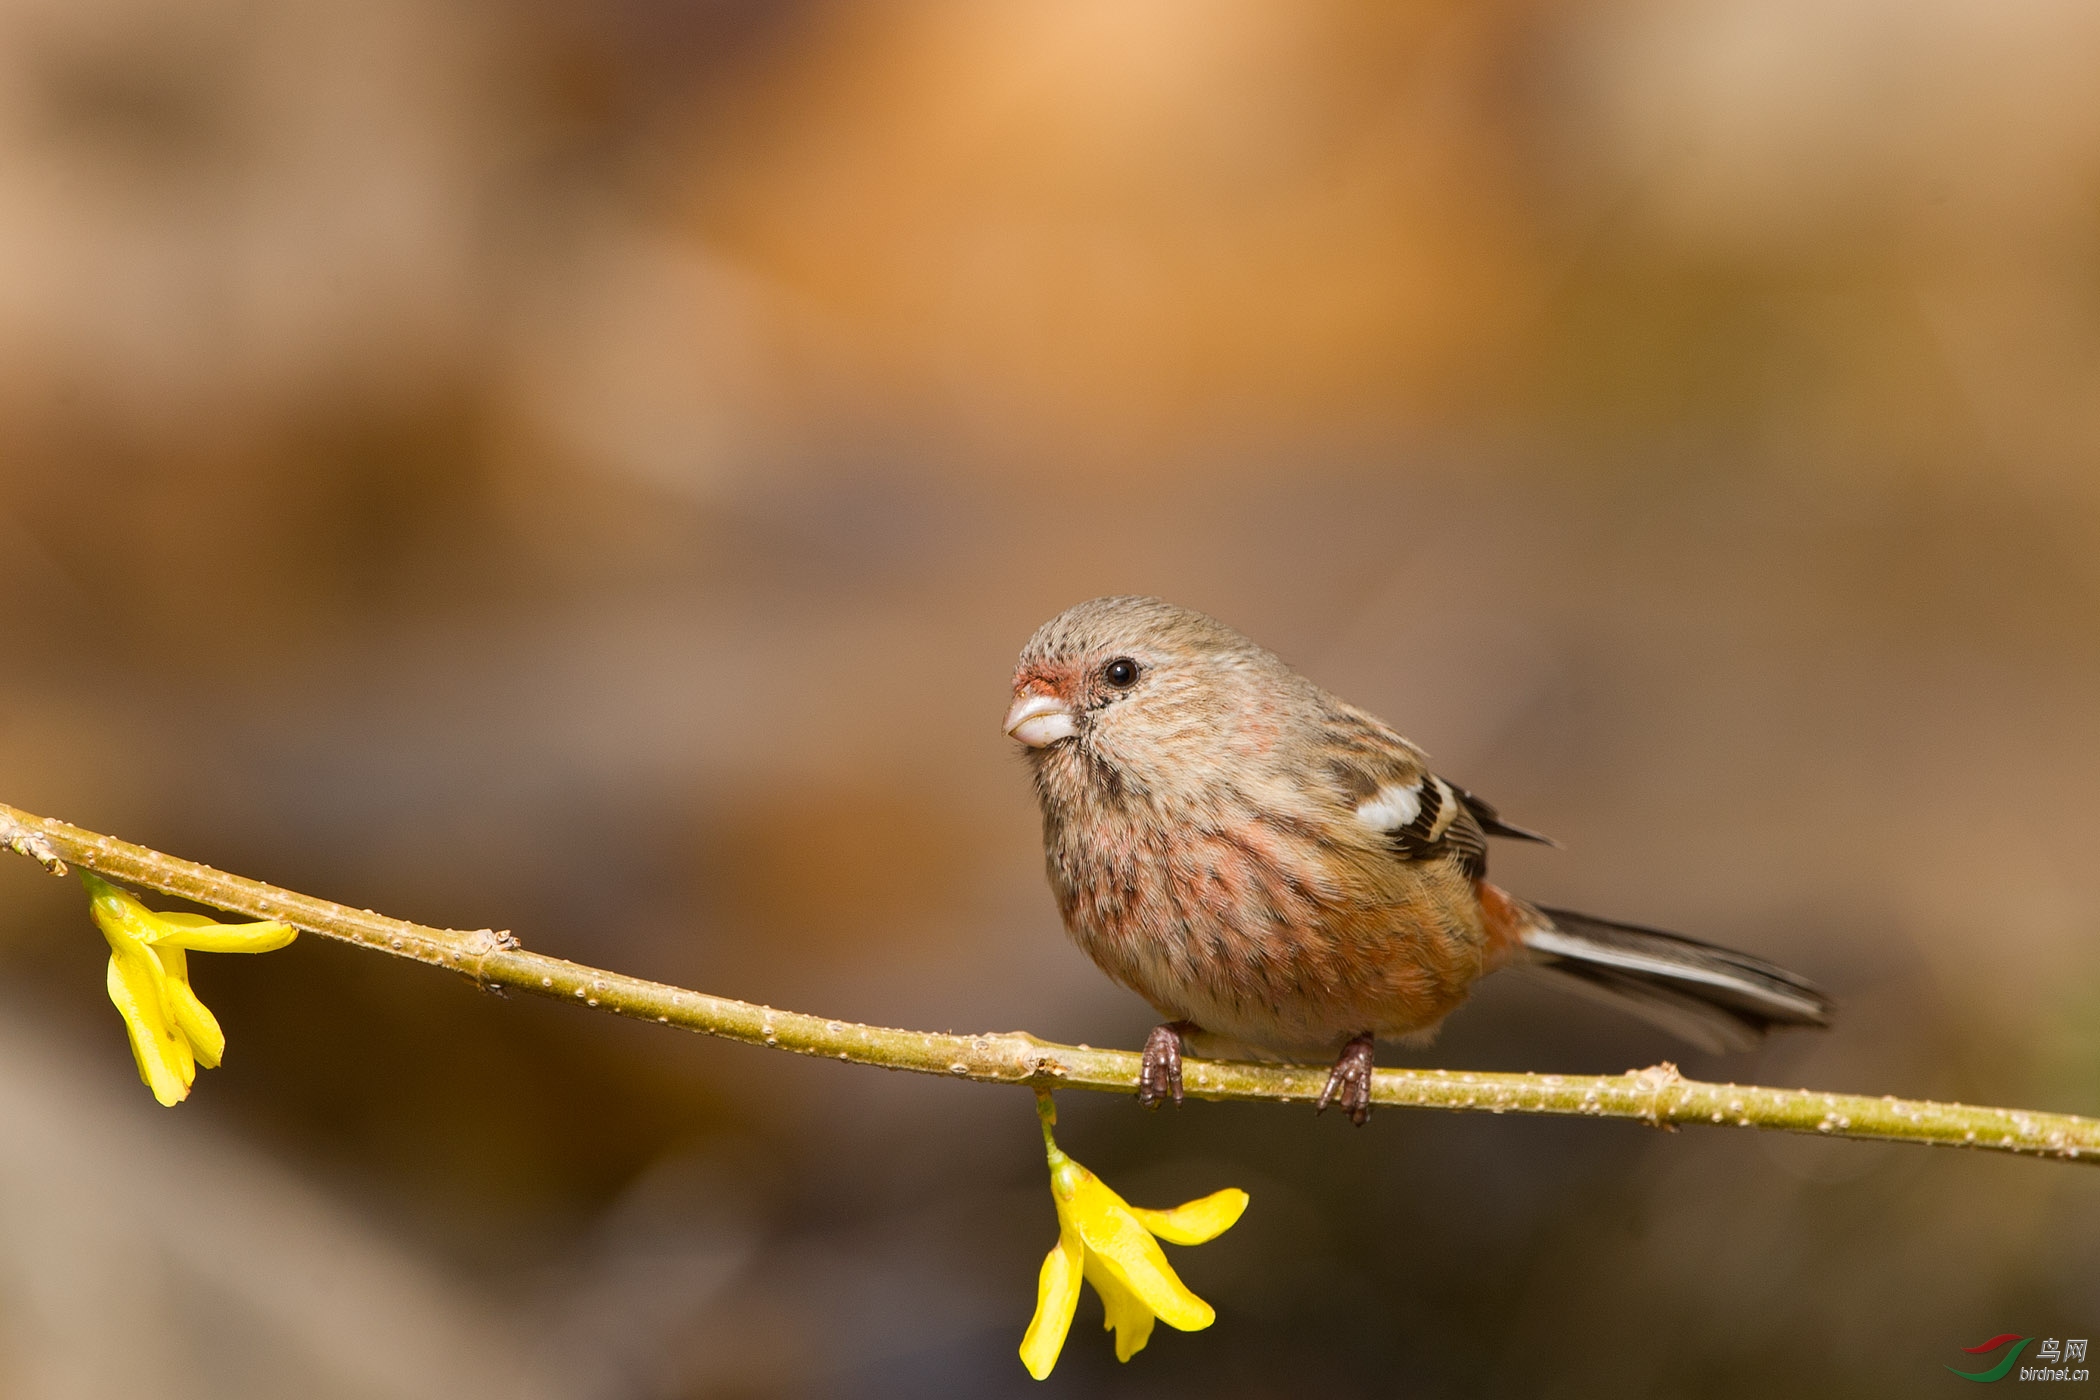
(1046,1114)
(1658,1096)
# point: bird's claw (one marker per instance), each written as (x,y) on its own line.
(1159,1074)
(1349,1083)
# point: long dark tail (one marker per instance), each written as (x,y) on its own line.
(1716,998)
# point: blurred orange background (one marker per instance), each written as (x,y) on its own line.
(587,469)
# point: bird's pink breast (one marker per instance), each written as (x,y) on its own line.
(1261,933)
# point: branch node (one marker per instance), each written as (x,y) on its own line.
(24,842)
(1655,1081)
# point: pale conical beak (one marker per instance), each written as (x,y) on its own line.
(1037,720)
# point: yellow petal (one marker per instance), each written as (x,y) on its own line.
(127,926)
(202,935)
(1108,1228)
(185,1053)
(1056,1296)
(191,1016)
(1196,1221)
(163,1056)
(120,915)
(1124,1311)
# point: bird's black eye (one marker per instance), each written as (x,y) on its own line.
(1122,673)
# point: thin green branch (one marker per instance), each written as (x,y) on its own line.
(1658,1096)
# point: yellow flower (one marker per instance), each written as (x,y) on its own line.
(1110,1244)
(149,980)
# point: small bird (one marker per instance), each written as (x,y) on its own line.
(1279,873)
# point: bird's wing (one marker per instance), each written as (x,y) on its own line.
(1491,821)
(1425,820)
(1419,816)
(1381,781)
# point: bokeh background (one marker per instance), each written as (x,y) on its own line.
(587,468)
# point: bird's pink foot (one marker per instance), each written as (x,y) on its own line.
(1159,1076)
(1350,1082)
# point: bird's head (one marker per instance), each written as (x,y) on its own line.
(1141,695)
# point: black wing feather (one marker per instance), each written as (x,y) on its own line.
(1491,821)
(1460,838)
